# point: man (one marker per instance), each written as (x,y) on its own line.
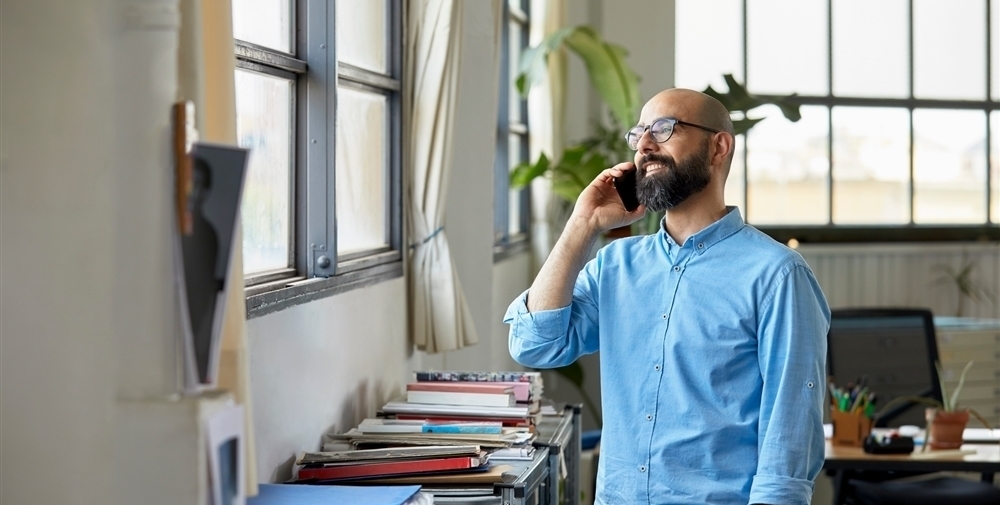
(712,335)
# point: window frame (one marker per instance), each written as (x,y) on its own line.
(318,271)
(506,244)
(909,232)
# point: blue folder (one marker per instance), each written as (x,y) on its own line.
(295,494)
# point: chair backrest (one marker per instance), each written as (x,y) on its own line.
(895,349)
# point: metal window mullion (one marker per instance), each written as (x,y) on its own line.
(911,108)
(746,142)
(396,149)
(317,182)
(265,69)
(346,71)
(989,98)
(829,113)
(501,167)
(266,56)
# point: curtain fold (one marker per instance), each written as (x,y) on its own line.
(206,63)
(546,116)
(440,319)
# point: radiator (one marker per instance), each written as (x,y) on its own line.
(906,275)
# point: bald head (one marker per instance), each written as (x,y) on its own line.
(697,107)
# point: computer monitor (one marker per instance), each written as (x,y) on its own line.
(895,349)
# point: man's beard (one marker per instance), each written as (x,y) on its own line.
(669,186)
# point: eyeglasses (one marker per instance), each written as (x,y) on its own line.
(661,130)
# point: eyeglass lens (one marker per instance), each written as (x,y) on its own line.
(660,130)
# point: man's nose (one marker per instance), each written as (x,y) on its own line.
(646,144)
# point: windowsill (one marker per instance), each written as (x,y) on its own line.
(516,245)
(882,234)
(297,291)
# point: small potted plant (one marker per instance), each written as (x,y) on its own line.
(945,420)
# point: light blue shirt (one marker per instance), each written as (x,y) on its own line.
(713,360)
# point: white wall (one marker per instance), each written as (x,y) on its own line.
(86,297)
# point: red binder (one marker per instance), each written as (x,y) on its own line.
(387,468)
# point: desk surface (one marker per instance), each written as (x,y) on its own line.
(986,459)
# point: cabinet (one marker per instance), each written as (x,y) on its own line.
(550,478)
(961,340)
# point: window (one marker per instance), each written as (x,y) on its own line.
(899,102)
(318,104)
(512,217)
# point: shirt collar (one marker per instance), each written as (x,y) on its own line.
(712,234)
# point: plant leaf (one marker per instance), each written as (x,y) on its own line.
(944,391)
(958,388)
(524,173)
(617,84)
(741,126)
(534,60)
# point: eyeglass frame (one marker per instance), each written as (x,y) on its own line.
(673,124)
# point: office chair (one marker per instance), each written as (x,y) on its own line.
(896,350)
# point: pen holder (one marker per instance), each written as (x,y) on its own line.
(850,429)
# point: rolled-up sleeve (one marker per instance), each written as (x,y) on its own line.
(792,333)
(554,338)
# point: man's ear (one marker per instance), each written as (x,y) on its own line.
(724,145)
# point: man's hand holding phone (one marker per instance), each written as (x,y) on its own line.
(610,200)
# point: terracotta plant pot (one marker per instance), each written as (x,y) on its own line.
(946,428)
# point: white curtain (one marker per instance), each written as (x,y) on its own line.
(439,315)
(546,114)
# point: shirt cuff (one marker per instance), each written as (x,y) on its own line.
(779,489)
(538,326)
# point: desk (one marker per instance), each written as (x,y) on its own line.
(841,460)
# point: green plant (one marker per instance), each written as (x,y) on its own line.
(948,404)
(967,286)
(617,85)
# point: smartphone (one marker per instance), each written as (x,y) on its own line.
(625,185)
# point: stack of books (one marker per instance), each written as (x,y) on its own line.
(511,398)
(493,412)
(343,466)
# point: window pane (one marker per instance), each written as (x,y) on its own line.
(514,52)
(702,60)
(871,165)
(995,167)
(995,49)
(361,34)
(734,183)
(264,125)
(871,39)
(362,145)
(788,165)
(949,166)
(949,49)
(264,22)
(786,46)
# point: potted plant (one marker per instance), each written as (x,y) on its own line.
(945,420)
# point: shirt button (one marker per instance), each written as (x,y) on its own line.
(642,469)
(701,245)
(664,316)
(809,385)
(649,417)
(657,368)
(677,269)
